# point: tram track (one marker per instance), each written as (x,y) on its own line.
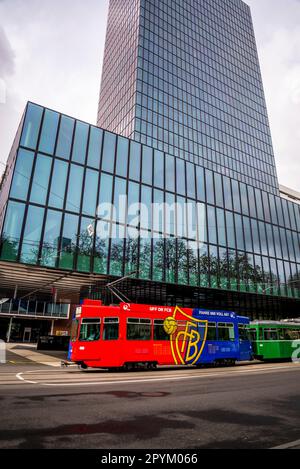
(74,377)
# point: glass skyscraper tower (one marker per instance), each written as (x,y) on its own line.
(184,77)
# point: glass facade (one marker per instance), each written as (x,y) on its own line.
(208,231)
(190,85)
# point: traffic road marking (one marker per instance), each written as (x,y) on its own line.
(74,379)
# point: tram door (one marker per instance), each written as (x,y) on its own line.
(245,347)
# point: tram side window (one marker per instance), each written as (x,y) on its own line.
(253,335)
(283,334)
(212,331)
(159,332)
(243,332)
(138,329)
(291,334)
(111,329)
(90,330)
(226,331)
(270,334)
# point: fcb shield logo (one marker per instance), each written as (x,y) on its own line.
(188,337)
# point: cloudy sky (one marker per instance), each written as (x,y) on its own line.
(51,53)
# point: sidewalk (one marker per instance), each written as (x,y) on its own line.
(29,352)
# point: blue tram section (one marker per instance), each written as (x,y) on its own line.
(224,337)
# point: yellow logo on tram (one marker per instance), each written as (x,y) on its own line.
(170,325)
(188,337)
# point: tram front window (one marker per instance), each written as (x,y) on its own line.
(90,330)
(74,330)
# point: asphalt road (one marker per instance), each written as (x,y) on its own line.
(249,406)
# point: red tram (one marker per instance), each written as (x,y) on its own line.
(129,335)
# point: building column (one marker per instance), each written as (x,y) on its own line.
(16,292)
(9,330)
(52,327)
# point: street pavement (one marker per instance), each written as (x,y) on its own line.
(248,406)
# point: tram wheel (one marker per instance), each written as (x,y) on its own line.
(83,366)
(129,367)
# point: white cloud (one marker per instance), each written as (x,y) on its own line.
(53,56)
(277,27)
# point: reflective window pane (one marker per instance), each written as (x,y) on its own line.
(131,251)
(200,183)
(95,146)
(170,173)
(80,142)
(109,148)
(105,197)
(75,188)
(221,227)
(227,193)
(101,247)
(22,175)
(65,136)
(32,235)
(212,226)
(49,132)
(135,161)
(259,206)
(31,126)
(255,236)
(51,238)
(147,171)
(180,177)
(145,255)
(202,223)
(68,241)
(230,230)
(190,177)
(274,218)
(58,185)
(219,190)
(244,199)
(120,201)
(12,231)
(122,157)
(248,234)
(263,238)
(236,196)
(117,250)
(146,212)
(85,244)
(239,233)
(210,195)
(266,205)
(41,178)
(251,198)
(90,193)
(159,169)
(133,204)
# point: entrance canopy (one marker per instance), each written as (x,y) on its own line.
(41,281)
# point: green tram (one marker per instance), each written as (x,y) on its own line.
(275,340)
